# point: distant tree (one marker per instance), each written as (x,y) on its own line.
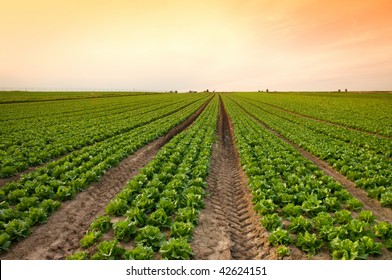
(338,90)
(207,90)
(345,90)
(267,90)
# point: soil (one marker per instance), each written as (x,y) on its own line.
(60,236)
(382,213)
(228,227)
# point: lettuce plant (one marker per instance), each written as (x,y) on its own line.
(176,249)
(150,236)
(139,253)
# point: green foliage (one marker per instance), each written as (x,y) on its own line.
(5,241)
(159,219)
(367,246)
(344,249)
(299,224)
(280,237)
(383,230)
(312,206)
(17,229)
(64,193)
(181,230)
(124,230)
(322,219)
(108,250)
(357,229)
(271,221)
(167,204)
(367,216)
(101,224)
(187,215)
(354,204)
(266,206)
(176,249)
(386,199)
(117,207)
(139,253)
(50,206)
(283,251)
(90,238)
(136,215)
(78,256)
(15,195)
(36,215)
(342,217)
(150,236)
(309,242)
(330,232)
(291,210)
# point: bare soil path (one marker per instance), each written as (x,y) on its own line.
(383,213)
(228,227)
(60,236)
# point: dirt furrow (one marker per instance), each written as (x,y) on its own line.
(228,227)
(383,213)
(60,236)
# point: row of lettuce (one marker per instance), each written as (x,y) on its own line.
(33,139)
(298,203)
(371,112)
(364,159)
(154,216)
(30,200)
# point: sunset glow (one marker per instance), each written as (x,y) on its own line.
(193,45)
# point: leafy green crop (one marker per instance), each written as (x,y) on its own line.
(90,238)
(309,243)
(117,207)
(78,256)
(283,251)
(108,250)
(344,249)
(101,224)
(176,249)
(159,219)
(280,237)
(271,221)
(150,236)
(124,230)
(182,230)
(136,215)
(17,229)
(299,224)
(187,215)
(139,253)
(5,241)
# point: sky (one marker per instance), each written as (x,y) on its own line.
(222,45)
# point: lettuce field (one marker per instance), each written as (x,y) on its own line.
(196,175)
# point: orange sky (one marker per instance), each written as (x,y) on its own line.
(196,44)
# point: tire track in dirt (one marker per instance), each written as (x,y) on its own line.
(228,227)
(60,236)
(383,213)
(325,121)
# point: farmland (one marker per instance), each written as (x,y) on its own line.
(196,176)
